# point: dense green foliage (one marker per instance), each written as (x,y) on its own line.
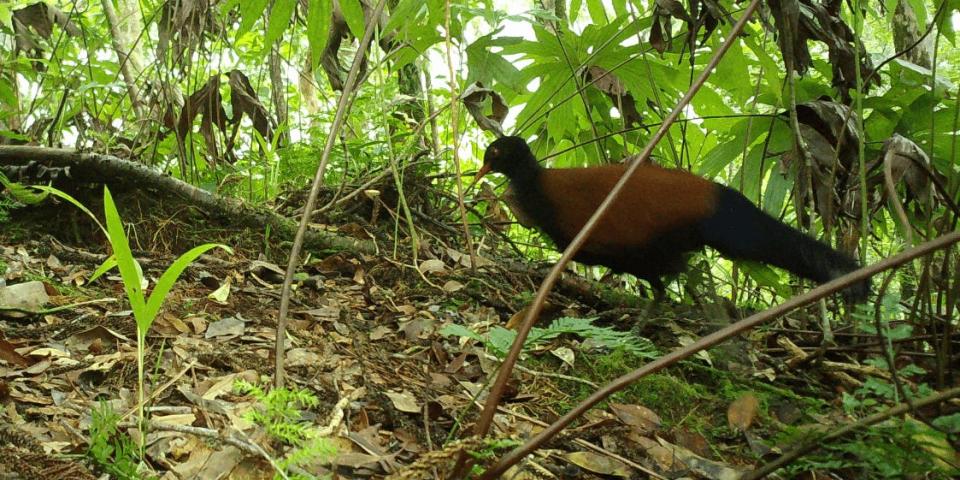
(805,113)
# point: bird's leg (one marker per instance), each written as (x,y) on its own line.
(659,294)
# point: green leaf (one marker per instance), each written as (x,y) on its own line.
(753,170)
(250,12)
(778,185)
(501,339)
(771,70)
(104,267)
(280,16)
(597,13)
(484,65)
(130,273)
(63,195)
(404,14)
(353,14)
(718,158)
(945,21)
(574,11)
(22,193)
(171,274)
(765,276)
(7,96)
(456,330)
(319,14)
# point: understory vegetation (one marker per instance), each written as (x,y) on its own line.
(157,169)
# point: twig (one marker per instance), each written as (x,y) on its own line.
(585,444)
(160,390)
(60,308)
(454,127)
(715,338)
(496,392)
(342,106)
(820,441)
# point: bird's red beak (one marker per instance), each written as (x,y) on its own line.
(485,169)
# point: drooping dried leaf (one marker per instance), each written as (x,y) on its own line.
(798,21)
(478,99)
(907,162)
(613,87)
(675,9)
(185,23)
(244,100)
(208,103)
(657,38)
(40,17)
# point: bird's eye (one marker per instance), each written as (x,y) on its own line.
(495,151)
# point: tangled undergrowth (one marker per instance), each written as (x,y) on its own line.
(393,351)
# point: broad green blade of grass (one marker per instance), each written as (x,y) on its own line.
(171,275)
(129,272)
(63,195)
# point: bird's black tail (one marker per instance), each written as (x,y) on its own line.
(740,230)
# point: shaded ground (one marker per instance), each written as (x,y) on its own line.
(367,338)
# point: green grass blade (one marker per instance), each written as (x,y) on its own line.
(171,275)
(65,196)
(129,270)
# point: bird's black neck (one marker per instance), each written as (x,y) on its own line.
(528,189)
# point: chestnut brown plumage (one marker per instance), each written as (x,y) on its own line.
(660,216)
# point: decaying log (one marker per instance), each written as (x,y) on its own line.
(113,171)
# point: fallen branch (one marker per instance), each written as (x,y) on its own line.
(713,339)
(820,441)
(110,170)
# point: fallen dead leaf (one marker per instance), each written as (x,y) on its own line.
(643,420)
(452,286)
(225,329)
(743,411)
(380,332)
(222,293)
(702,466)
(431,266)
(565,354)
(404,401)
(599,464)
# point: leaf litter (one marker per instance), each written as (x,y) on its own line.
(369,336)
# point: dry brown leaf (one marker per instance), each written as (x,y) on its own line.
(9,354)
(380,332)
(225,329)
(701,466)
(743,411)
(599,464)
(452,286)
(404,401)
(641,418)
(476,98)
(431,266)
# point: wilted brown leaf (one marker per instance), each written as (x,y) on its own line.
(476,98)
(743,411)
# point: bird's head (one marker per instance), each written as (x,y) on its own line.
(510,156)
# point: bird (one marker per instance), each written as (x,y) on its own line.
(661,216)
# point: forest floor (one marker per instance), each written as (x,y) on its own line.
(397,354)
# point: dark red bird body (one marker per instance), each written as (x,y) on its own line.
(660,216)
(648,208)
